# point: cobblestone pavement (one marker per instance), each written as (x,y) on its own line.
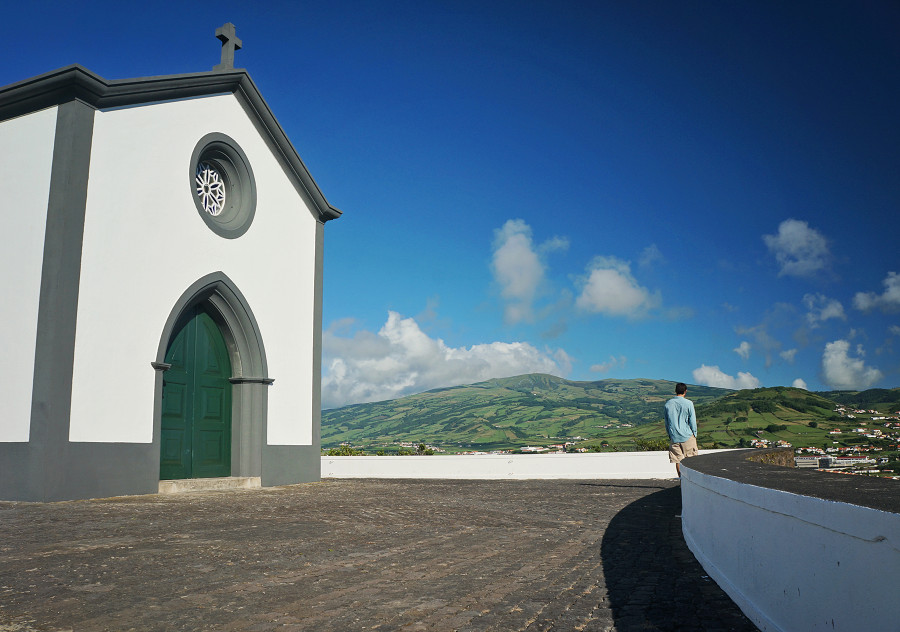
(347,555)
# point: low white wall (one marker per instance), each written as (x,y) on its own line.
(500,466)
(794,562)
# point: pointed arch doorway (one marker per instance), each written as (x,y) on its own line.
(227,318)
(195,433)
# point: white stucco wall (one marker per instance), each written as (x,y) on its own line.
(26,157)
(610,465)
(145,244)
(793,562)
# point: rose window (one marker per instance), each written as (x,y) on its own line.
(210,188)
(222,185)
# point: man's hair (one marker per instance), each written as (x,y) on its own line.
(680,388)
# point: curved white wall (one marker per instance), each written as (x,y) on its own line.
(610,465)
(794,562)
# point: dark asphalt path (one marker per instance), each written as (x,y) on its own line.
(345,555)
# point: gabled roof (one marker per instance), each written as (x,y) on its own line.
(76,82)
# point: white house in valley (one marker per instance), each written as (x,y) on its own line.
(161,275)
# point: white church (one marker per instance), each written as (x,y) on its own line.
(161,285)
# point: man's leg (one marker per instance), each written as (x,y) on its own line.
(675,456)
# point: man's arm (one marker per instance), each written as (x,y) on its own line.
(693,419)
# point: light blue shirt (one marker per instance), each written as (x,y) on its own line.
(681,420)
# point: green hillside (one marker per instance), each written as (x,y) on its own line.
(737,418)
(537,410)
(886,400)
(506,413)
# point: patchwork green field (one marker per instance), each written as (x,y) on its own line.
(626,415)
(787,414)
(504,413)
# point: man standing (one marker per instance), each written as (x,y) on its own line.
(681,426)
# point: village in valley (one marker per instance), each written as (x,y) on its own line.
(860,458)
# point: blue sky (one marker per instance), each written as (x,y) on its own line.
(695,191)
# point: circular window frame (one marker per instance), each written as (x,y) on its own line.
(226,156)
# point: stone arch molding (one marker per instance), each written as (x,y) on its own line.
(250,378)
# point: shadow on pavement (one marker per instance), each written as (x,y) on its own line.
(653,580)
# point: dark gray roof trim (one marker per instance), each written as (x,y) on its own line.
(78,83)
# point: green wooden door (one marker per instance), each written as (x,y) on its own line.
(195,441)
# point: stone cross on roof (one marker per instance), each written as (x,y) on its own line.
(230,43)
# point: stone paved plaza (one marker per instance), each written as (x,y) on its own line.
(347,555)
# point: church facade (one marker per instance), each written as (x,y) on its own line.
(161,275)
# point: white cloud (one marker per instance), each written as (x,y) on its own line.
(889,300)
(401,359)
(822,308)
(788,355)
(679,313)
(553,244)
(894,329)
(612,363)
(840,371)
(563,361)
(743,349)
(609,288)
(518,268)
(798,383)
(650,255)
(799,249)
(762,339)
(713,376)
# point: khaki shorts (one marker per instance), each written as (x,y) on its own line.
(679,451)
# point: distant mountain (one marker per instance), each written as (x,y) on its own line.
(623,415)
(506,413)
(859,398)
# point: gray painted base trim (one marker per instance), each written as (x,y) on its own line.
(20,472)
(289,464)
(80,470)
(102,470)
